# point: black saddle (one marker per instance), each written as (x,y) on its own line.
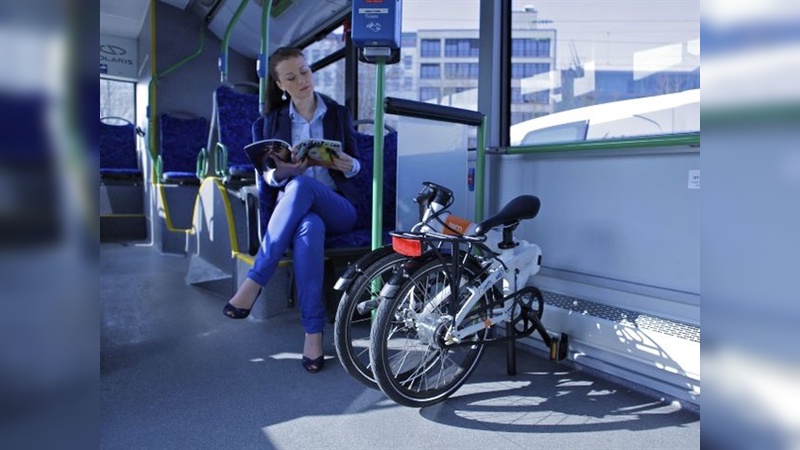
(520,208)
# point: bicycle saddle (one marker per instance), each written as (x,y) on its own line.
(522,207)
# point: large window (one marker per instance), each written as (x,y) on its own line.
(599,53)
(118,99)
(420,73)
(328,80)
(325,46)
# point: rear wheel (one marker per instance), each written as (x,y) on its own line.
(354,317)
(413,363)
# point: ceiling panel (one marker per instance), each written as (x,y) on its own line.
(123,18)
(300,18)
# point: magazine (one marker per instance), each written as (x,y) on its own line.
(320,151)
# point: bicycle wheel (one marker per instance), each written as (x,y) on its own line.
(354,318)
(410,359)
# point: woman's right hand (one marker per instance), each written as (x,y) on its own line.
(284,170)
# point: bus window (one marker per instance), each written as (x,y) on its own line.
(118,99)
(647,116)
(328,80)
(583,53)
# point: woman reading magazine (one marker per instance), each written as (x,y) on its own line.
(313,198)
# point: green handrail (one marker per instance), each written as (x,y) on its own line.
(201,167)
(151,89)
(264,58)
(223,59)
(188,58)
(672,140)
(377,162)
(151,92)
(480,168)
(221,160)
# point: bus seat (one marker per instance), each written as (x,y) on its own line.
(236,112)
(118,158)
(183,137)
(361,235)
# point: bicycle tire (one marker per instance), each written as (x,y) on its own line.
(351,327)
(409,375)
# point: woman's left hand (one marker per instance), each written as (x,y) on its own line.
(342,163)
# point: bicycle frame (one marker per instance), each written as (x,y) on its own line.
(513,266)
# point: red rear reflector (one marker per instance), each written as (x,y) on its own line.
(407,247)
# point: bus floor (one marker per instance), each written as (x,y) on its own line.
(175,373)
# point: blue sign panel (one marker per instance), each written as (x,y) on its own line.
(376,23)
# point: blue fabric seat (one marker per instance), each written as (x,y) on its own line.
(118,158)
(182,139)
(236,112)
(361,235)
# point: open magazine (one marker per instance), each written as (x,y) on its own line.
(320,151)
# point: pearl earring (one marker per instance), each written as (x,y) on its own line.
(283,97)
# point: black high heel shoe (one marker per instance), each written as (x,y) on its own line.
(238,313)
(313,365)
(316,364)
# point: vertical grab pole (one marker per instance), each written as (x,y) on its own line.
(152,108)
(480,168)
(223,59)
(377,162)
(261,65)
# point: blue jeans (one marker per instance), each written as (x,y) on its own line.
(301,217)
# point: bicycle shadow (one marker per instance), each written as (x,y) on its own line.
(547,398)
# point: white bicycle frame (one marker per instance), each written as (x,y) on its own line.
(513,266)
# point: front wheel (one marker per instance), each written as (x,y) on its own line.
(354,317)
(412,363)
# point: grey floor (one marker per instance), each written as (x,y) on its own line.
(175,374)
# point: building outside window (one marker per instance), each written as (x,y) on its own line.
(530,48)
(430,48)
(430,71)
(408,62)
(428,93)
(461,48)
(461,70)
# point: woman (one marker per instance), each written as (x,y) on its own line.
(313,199)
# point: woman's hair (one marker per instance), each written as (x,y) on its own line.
(274,100)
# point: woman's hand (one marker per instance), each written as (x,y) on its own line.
(284,170)
(342,162)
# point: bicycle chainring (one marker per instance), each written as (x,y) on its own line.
(528,303)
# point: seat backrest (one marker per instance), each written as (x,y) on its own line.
(366,149)
(118,146)
(236,112)
(182,138)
